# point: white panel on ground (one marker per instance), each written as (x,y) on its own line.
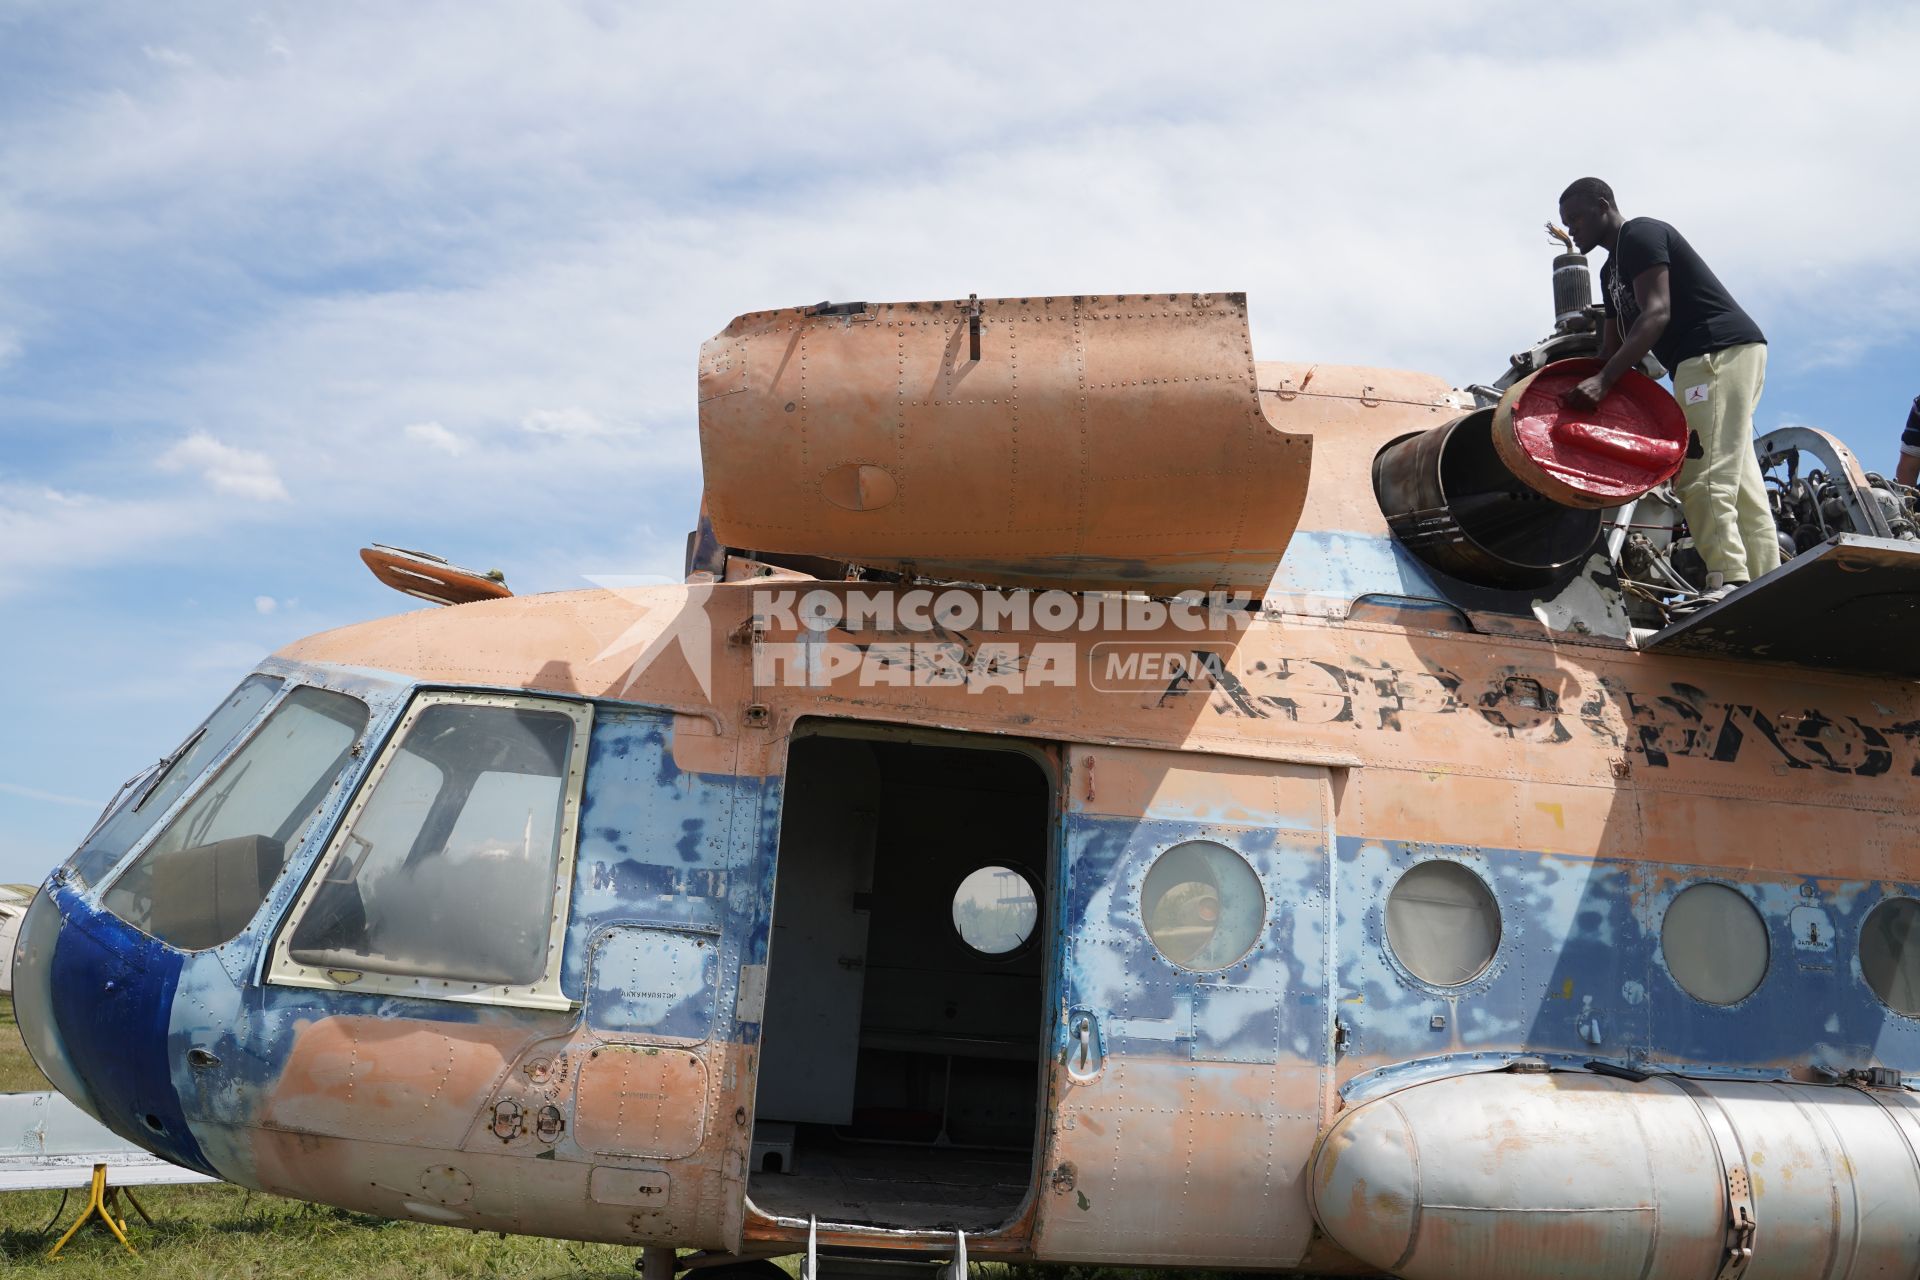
(47,1143)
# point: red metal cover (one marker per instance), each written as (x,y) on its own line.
(1589,458)
(428,577)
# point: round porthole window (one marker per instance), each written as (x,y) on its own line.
(1890,953)
(1443,923)
(995,910)
(1715,943)
(1202,905)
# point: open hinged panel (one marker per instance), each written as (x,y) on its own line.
(1085,443)
(1851,604)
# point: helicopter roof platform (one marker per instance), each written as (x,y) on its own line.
(1851,604)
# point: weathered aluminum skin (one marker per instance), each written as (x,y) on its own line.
(1085,442)
(1359,725)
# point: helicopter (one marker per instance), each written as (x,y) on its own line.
(1096,798)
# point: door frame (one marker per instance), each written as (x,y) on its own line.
(1050,757)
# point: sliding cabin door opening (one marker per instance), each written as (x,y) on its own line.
(900,1076)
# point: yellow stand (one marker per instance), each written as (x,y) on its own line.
(104,1201)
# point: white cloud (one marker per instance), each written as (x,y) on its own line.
(435,436)
(576,423)
(167,57)
(265,604)
(525,227)
(569,237)
(264,244)
(47,797)
(50,535)
(240,472)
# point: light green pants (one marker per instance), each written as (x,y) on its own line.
(1721,492)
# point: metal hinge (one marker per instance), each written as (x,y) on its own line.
(1739,1236)
(1742,1223)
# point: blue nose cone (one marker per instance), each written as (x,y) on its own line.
(93,995)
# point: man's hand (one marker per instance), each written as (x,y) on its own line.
(1654,292)
(1588,394)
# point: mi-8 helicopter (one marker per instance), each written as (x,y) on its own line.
(1096,798)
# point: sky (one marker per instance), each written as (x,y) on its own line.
(278,280)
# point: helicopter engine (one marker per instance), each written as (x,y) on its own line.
(1810,509)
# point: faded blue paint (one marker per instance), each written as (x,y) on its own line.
(653,843)
(251,1031)
(220,1003)
(674,889)
(131,1041)
(755,841)
(1580,971)
(639,811)
(1346,566)
(128,1007)
(671,849)
(1261,1009)
(656,981)
(672,895)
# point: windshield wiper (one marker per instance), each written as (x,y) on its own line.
(113,803)
(165,767)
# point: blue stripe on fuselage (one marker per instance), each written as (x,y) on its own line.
(1581,967)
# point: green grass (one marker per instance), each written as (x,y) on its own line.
(17,1072)
(220,1231)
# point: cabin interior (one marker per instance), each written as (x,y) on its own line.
(901,1075)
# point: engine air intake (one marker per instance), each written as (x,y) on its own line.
(1451,501)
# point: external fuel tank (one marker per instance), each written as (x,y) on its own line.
(1579,1174)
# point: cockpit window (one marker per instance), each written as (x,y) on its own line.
(449,869)
(203,877)
(151,794)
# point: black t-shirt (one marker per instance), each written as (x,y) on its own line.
(1705,316)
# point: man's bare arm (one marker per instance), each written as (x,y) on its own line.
(1653,289)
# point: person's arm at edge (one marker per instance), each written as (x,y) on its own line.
(1653,290)
(1907,470)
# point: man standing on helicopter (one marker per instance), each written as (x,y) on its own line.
(1661,297)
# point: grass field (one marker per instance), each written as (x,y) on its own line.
(17,1072)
